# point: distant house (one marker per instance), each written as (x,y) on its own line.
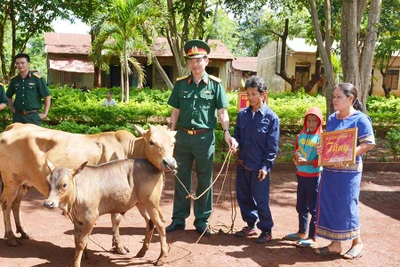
(300,64)
(242,68)
(67,59)
(220,58)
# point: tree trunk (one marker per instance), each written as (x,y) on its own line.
(385,89)
(2,55)
(366,58)
(11,71)
(97,69)
(122,83)
(282,70)
(97,77)
(325,51)
(162,73)
(126,71)
(176,40)
(349,42)
(314,77)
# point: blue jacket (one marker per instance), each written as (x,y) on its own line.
(258,137)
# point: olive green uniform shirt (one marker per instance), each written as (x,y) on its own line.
(28,92)
(198,103)
(3,98)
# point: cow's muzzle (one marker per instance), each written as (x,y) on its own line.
(50,204)
(169,165)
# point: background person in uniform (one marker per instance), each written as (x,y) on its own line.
(29,90)
(109,101)
(257,132)
(195,100)
(3,99)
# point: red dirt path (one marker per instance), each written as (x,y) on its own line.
(54,245)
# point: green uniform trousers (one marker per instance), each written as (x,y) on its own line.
(33,118)
(189,148)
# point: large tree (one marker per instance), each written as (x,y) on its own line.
(19,22)
(358,23)
(357,42)
(184,20)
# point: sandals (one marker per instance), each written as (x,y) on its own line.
(324,251)
(292,237)
(352,254)
(305,243)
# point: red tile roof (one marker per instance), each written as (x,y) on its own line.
(245,63)
(67,43)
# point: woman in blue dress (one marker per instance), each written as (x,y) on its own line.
(338,200)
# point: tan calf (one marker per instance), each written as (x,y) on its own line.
(85,193)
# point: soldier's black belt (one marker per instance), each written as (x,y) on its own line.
(26,112)
(195,131)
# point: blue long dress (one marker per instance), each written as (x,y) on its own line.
(338,199)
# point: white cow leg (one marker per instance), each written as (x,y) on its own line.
(16,208)
(7,199)
(148,234)
(81,238)
(156,218)
(117,245)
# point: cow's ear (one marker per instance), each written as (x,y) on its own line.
(77,170)
(140,130)
(50,165)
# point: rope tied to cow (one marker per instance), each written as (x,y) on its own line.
(194,197)
(232,197)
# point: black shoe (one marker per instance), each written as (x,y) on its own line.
(264,237)
(174,226)
(204,230)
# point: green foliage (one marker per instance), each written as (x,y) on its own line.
(291,107)
(389,35)
(20,21)
(75,111)
(383,111)
(393,137)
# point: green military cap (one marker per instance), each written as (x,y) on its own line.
(196,48)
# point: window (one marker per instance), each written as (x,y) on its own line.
(392,79)
(213,71)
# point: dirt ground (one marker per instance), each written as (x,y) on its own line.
(53,243)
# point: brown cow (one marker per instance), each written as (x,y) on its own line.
(115,186)
(24,149)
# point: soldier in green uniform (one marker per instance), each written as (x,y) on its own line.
(3,99)
(196,100)
(29,90)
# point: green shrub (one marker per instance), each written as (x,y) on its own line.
(393,137)
(75,111)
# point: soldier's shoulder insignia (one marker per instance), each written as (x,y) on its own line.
(182,78)
(212,77)
(37,75)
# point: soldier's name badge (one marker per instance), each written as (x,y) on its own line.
(31,83)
